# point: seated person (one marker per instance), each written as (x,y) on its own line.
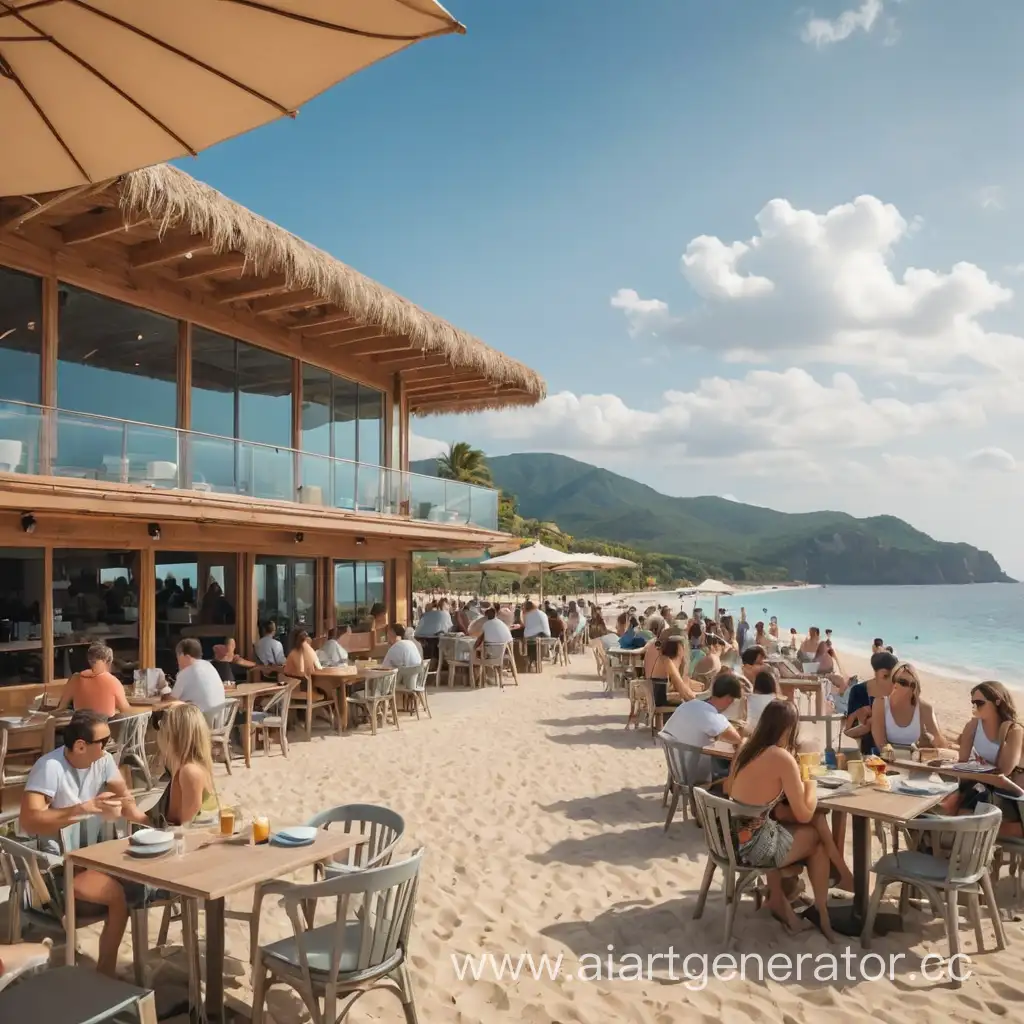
(556,624)
(494,630)
(75,781)
(333,653)
(97,688)
(507,615)
(402,653)
(699,723)
(229,665)
(755,661)
(765,690)
(809,648)
(197,681)
(667,673)
(632,638)
(535,622)
(269,650)
(435,620)
(186,748)
(906,720)
(302,661)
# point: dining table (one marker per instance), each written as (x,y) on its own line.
(212,868)
(336,681)
(247,693)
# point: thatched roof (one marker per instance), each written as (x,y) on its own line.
(170,198)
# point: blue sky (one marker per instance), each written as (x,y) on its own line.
(518,178)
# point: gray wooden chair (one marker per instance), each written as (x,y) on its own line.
(11,776)
(221,721)
(76,995)
(496,658)
(715,814)
(128,743)
(378,698)
(682,760)
(412,684)
(382,827)
(273,716)
(963,870)
(364,945)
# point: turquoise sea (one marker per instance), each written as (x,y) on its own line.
(970,632)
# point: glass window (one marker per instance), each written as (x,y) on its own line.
(371,426)
(95,600)
(316,410)
(346,412)
(21,334)
(286,593)
(264,396)
(213,383)
(21,602)
(116,360)
(357,586)
(196,595)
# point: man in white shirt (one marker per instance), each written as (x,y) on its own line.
(76,781)
(269,650)
(535,622)
(435,620)
(494,631)
(198,682)
(402,653)
(699,723)
(332,654)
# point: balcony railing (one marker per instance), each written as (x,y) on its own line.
(52,442)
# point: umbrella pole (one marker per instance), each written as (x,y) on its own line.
(595,586)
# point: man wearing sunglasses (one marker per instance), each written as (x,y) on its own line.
(76,781)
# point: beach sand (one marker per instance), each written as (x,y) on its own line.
(543,826)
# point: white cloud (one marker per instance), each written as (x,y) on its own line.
(992,458)
(425,447)
(991,197)
(822,287)
(826,31)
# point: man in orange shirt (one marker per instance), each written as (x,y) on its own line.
(97,688)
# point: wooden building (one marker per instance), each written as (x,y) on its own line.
(204,424)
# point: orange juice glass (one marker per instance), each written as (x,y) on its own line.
(260,829)
(227,821)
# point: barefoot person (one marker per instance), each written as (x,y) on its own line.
(765,772)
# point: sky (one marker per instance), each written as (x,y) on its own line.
(766,250)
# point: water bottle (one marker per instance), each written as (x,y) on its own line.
(830,760)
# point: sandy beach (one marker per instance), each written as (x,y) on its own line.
(543,825)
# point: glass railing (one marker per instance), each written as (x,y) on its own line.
(54,442)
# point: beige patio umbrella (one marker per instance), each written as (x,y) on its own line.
(90,89)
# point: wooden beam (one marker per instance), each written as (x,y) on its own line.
(145,577)
(429,381)
(338,317)
(293,300)
(90,226)
(48,373)
(204,266)
(164,250)
(379,346)
(472,403)
(251,288)
(39,209)
(336,335)
(408,362)
(454,390)
(46,615)
(184,375)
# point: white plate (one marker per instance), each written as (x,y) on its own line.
(298,834)
(279,840)
(151,837)
(151,851)
(919,788)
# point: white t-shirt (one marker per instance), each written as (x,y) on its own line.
(332,654)
(609,640)
(64,784)
(434,623)
(496,632)
(199,684)
(402,654)
(269,651)
(536,624)
(696,723)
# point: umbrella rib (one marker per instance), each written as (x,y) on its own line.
(305,19)
(103,78)
(9,72)
(185,56)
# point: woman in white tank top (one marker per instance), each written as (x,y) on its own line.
(906,719)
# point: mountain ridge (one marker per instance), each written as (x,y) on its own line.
(737,540)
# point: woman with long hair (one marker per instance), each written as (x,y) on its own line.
(765,772)
(302,660)
(906,720)
(184,743)
(668,672)
(705,667)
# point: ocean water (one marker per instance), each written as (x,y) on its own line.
(970,632)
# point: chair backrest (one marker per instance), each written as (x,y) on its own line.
(381,684)
(128,734)
(975,838)
(382,827)
(414,677)
(280,703)
(715,814)
(446,647)
(28,871)
(221,718)
(496,653)
(381,899)
(688,765)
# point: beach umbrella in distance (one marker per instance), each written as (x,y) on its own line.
(716,587)
(90,89)
(603,562)
(538,558)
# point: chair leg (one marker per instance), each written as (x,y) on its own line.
(666,791)
(225,746)
(373,718)
(165,924)
(974,911)
(993,911)
(705,885)
(405,993)
(732,900)
(953,928)
(259,990)
(140,944)
(672,808)
(426,707)
(394,711)
(869,922)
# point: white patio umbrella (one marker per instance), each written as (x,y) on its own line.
(716,587)
(90,89)
(538,558)
(596,562)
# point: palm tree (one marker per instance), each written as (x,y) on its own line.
(463,463)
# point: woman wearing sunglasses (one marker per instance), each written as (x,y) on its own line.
(906,720)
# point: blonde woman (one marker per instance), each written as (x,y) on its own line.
(906,719)
(184,743)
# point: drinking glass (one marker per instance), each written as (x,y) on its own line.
(229,817)
(260,828)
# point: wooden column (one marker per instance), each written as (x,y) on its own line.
(241,599)
(401,574)
(401,404)
(325,595)
(46,615)
(297,423)
(145,575)
(184,417)
(48,375)
(248,582)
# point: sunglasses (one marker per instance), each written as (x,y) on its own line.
(97,742)
(979,703)
(904,681)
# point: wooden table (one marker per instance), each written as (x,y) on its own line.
(212,869)
(337,680)
(247,693)
(993,778)
(814,685)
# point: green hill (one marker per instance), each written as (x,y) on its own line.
(739,541)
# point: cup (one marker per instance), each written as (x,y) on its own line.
(179,841)
(260,829)
(841,761)
(856,770)
(228,816)
(805,770)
